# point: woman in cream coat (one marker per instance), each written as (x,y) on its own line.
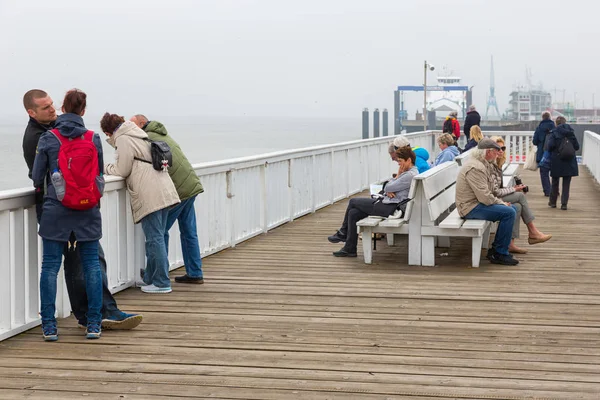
(152,194)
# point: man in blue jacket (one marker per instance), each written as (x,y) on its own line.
(42,116)
(542,133)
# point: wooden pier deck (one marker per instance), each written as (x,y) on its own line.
(280,318)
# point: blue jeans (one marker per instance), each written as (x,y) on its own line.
(51,261)
(545,177)
(497,212)
(157,261)
(185,214)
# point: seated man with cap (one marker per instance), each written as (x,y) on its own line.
(475,199)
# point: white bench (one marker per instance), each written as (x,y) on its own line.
(440,219)
(392,225)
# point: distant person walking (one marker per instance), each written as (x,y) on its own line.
(473,119)
(540,139)
(72,155)
(188,186)
(151,193)
(562,145)
(451,125)
(476,135)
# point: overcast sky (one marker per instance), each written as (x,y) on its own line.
(288,58)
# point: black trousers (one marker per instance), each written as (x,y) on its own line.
(359,208)
(566,187)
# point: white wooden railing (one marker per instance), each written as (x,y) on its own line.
(243,198)
(591,153)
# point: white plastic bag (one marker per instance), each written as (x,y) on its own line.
(530,162)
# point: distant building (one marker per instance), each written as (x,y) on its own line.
(528,105)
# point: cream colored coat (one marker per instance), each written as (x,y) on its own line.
(150,190)
(475,184)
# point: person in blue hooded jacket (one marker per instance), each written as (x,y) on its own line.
(559,167)
(540,139)
(61,226)
(449,150)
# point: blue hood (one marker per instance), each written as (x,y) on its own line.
(70,125)
(453,149)
(421,153)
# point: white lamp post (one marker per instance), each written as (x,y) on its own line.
(431,68)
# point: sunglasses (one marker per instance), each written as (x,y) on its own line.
(503,148)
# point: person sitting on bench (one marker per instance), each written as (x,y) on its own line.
(475,199)
(396,191)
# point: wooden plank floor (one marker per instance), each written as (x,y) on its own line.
(280,318)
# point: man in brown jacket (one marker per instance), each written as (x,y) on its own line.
(475,199)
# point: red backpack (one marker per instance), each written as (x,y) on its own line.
(78,163)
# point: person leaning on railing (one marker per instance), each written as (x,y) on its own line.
(515,195)
(396,191)
(151,192)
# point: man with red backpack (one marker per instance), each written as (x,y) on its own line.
(42,118)
(451,125)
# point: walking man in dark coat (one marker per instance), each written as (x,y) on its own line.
(473,118)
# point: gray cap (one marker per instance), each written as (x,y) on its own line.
(487,143)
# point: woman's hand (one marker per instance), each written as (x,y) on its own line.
(519,188)
(391,195)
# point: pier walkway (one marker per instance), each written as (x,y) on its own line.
(280,318)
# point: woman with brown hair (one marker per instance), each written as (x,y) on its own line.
(69,160)
(396,190)
(151,193)
(515,196)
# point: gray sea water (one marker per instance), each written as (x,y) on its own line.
(202,139)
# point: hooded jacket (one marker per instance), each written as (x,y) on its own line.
(541,136)
(448,154)
(57,221)
(186,182)
(421,162)
(558,167)
(150,190)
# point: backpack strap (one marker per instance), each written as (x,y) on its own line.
(88,135)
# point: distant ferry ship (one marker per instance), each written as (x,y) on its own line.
(442,101)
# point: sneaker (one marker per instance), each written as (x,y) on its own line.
(82,323)
(188,279)
(552,205)
(503,259)
(93,330)
(155,289)
(490,253)
(344,253)
(563,207)
(140,283)
(123,321)
(337,237)
(50,332)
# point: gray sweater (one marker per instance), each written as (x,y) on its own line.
(400,186)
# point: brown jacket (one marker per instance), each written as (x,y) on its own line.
(150,190)
(475,184)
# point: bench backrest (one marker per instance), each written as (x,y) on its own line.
(411,195)
(438,186)
(463,157)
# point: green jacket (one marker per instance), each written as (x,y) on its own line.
(183,175)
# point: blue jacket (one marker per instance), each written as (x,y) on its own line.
(540,135)
(558,167)
(57,221)
(448,154)
(422,157)
(470,144)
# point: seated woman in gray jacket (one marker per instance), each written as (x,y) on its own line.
(396,190)
(151,193)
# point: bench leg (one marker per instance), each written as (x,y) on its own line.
(476,249)
(486,238)
(390,238)
(428,251)
(367,240)
(443,241)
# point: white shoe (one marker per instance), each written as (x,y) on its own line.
(140,283)
(154,289)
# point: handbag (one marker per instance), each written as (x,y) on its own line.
(530,163)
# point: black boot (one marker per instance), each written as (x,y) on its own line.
(337,237)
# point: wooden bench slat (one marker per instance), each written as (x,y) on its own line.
(453,221)
(370,221)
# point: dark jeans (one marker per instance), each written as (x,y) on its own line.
(566,187)
(52,258)
(185,214)
(505,215)
(545,177)
(359,208)
(75,280)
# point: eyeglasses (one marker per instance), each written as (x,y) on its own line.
(503,148)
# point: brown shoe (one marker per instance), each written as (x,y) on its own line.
(517,250)
(541,239)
